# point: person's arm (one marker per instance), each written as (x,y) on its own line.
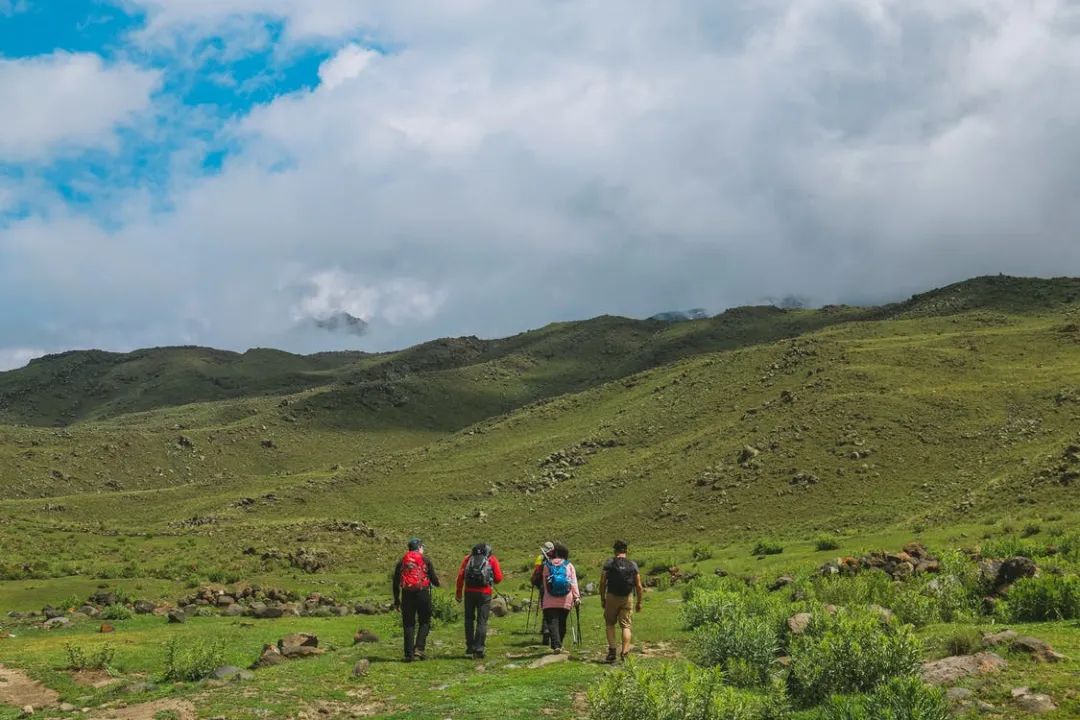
(461,580)
(431,572)
(575,592)
(603,586)
(496,571)
(397,584)
(638,589)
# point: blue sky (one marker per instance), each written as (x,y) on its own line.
(233,172)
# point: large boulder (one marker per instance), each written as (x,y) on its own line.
(270,656)
(951,669)
(177,616)
(1016,568)
(144,607)
(1035,703)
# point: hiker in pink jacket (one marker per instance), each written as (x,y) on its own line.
(561,594)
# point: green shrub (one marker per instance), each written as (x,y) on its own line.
(966,642)
(1030,530)
(899,699)
(678,692)
(851,652)
(117,612)
(444,608)
(738,630)
(826,542)
(79,659)
(1049,597)
(767,547)
(194,663)
(701,552)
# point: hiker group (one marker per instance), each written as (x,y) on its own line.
(554,583)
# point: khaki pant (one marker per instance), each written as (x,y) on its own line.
(618,610)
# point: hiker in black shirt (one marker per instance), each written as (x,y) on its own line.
(413,577)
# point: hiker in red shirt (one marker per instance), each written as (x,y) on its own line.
(476,579)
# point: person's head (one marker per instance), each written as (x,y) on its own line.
(481,549)
(416,545)
(620,547)
(560,551)
(547,548)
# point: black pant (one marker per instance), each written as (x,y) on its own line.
(415,607)
(555,622)
(477,607)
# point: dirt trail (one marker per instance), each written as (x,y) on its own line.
(181,709)
(18,689)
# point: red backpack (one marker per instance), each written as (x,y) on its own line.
(414,571)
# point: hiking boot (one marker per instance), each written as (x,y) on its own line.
(478,654)
(419,655)
(408,658)
(611,655)
(469,654)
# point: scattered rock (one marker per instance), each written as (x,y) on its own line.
(56,622)
(548,660)
(226,672)
(144,607)
(270,656)
(177,616)
(499,607)
(798,623)
(299,645)
(360,669)
(50,612)
(781,582)
(1036,703)
(1039,650)
(106,628)
(233,610)
(951,669)
(365,636)
(268,612)
(365,609)
(958,694)
(999,638)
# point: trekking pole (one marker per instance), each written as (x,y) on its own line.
(577,640)
(529,609)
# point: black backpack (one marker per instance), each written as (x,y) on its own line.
(621,577)
(478,572)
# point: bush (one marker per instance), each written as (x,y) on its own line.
(79,659)
(899,699)
(826,542)
(678,692)
(738,630)
(194,663)
(851,652)
(1050,597)
(1030,530)
(967,642)
(117,612)
(767,547)
(444,608)
(701,552)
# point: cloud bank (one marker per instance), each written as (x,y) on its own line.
(481,167)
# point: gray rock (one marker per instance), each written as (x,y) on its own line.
(548,660)
(225,672)
(499,608)
(299,645)
(798,623)
(89,611)
(1033,702)
(233,610)
(958,694)
(365,609)
(144,607)
(268,612)
(50,612)
(780,583)
(1038,649)
(360,669)
(951,669)
(56,622)
(999,638)
(177,616)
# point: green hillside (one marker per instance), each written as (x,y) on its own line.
(951,418)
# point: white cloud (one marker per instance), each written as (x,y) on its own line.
(509,164)
(14,358)
(67,101)
(13,7)
(349,62)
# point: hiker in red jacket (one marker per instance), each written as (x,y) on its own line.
(413,577)
(476,579)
